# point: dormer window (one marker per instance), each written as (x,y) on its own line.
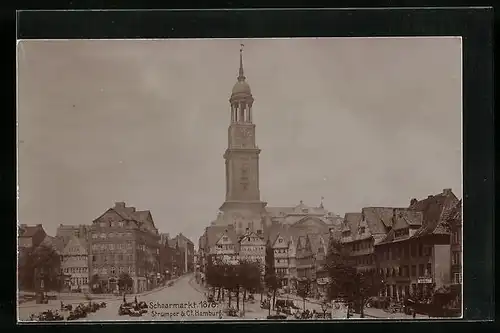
(280,240)
(225,238)
(362,230)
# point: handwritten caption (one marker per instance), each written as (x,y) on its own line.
(202,309)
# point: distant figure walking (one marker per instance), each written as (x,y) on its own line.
(124,299)
(135,299)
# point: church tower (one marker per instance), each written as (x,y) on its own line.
(242,207)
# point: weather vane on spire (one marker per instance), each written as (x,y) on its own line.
(241,76)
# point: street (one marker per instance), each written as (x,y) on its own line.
(184,301)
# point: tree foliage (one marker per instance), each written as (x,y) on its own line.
(125,281)
(270,272)
(303,289)
(37,264)
(346,282)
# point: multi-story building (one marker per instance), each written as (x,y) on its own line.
(415,255)
(221,244)
(454,220)
(186,247)
(124,240)
(361,232)
(252,248)
(75,264)
(167,257)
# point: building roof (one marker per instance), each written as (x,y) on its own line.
(429,214)
(30,231)
(215,232)
(434,208)
(379,219)
(405,218)
(143,218)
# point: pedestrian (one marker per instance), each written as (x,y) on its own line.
(135,299)
(414,314)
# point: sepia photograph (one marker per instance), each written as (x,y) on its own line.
(239,179)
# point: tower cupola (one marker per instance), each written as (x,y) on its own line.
(241,97)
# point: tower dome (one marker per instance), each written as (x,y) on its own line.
(241,87)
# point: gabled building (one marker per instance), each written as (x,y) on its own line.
(75,264)
(415,254)
(361,232)
(124,240)
(219,242)
(282,242)
(252,248)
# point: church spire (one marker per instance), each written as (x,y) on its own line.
(241,76)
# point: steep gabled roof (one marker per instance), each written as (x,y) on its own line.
(434,209)
(431,213)
(215,232)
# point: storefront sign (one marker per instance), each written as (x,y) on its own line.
(423,280)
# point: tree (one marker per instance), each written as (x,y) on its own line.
(94,281)
(365,285)
(249,275)
(125,282)
(40,264)
(270,273)
(303,289)
(214,275)
(346,282)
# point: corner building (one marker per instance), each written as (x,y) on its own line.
(124,240)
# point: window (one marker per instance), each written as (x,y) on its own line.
(94,258)
(455,258)
(94,236)
(421,270)
(362,230)
(457,278)
(413,250)
(413,270)
(120,224)
(103,235)
(429,269)
(113,271)
(420,250)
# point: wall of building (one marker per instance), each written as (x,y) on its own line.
(442,264)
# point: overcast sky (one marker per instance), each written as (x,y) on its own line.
(362,122)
